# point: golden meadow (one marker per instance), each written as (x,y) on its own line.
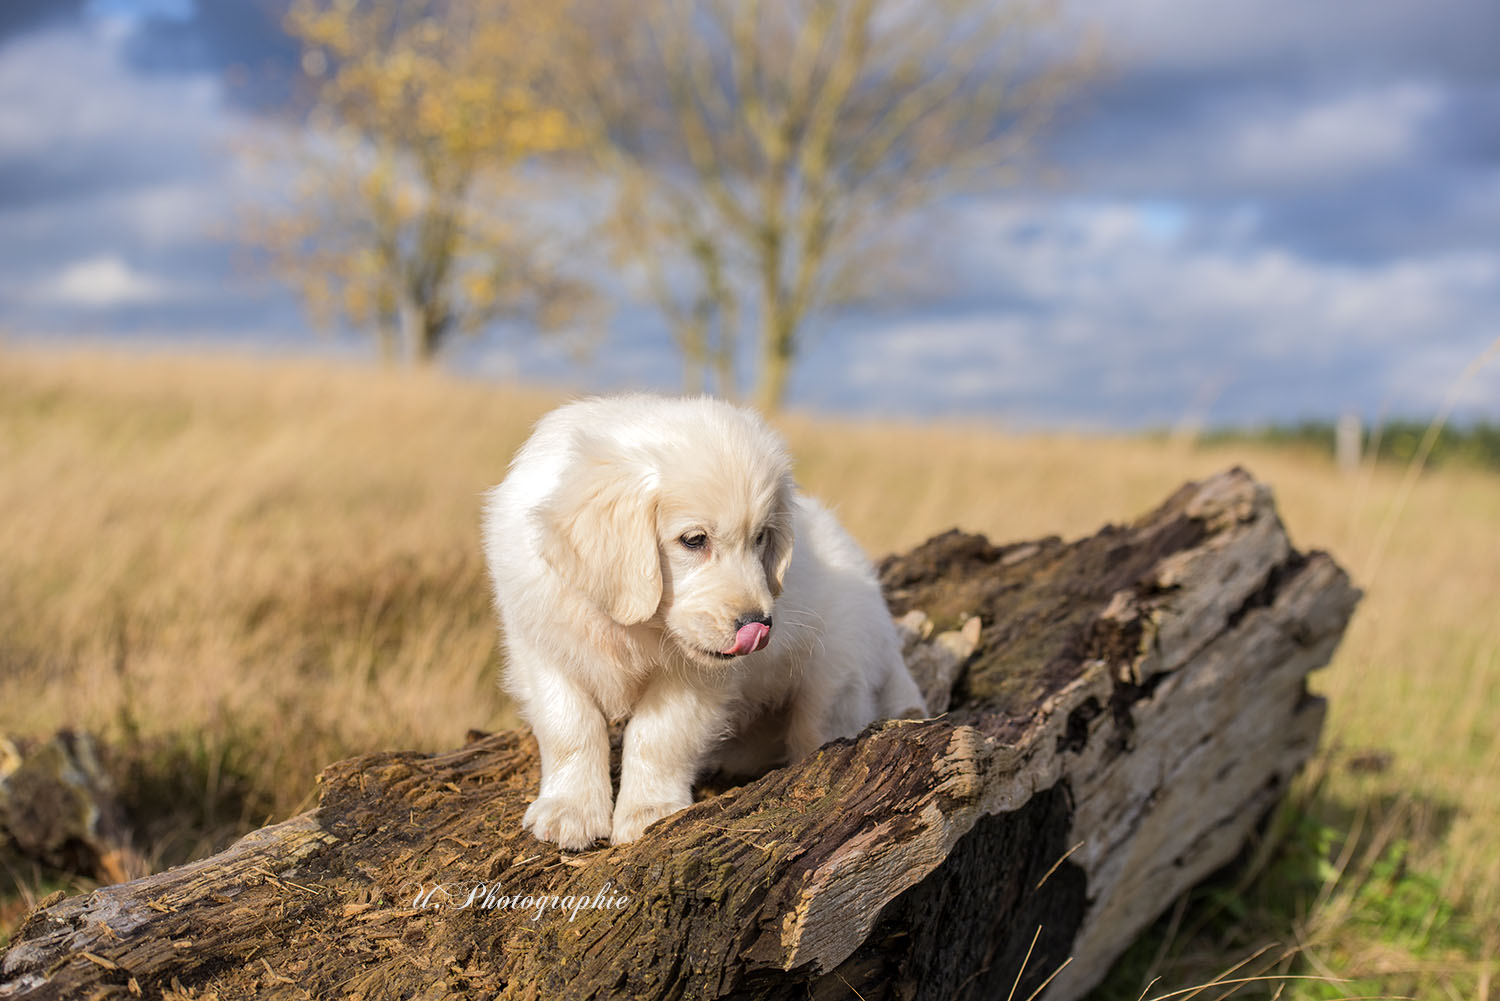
(237,571)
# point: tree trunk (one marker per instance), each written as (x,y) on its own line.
(775,370)
(691,335)
(425,329)
(778,331)
(388,336)
(1124,712)
(726,383)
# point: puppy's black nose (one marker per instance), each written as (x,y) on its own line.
(745,620)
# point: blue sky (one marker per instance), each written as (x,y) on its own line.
(1267,210)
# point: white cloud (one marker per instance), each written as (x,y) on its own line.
(102,282)
(1334,137)
(71,89)
(1090,307)
(1466,378)
(1269,143)
(134,177)
(1190,36)
(1107,259)
(172,214)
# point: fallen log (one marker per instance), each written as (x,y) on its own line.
(59,807)
(1126,711)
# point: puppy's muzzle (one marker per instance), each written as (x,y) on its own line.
(753,632)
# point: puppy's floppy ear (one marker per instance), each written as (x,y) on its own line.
(599,531)
(778,555)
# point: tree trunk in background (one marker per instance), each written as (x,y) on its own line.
(1122,715)
(425,328)
(388,336)
(691,338)
(726,384)
(775,369)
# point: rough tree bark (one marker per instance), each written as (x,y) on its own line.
(1134,706)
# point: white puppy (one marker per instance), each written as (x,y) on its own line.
(653,561)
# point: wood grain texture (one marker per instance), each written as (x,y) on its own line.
(1131,706)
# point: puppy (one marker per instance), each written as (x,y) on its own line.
(653,561)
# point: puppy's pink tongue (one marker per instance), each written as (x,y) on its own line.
(751,637)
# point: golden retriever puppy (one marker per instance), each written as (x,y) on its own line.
(652,561)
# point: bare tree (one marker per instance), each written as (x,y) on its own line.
(762,152)
(409,216)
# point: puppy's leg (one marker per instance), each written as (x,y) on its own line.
(820,712)
(756,744)
(670,733)
(900,698)
(573,808)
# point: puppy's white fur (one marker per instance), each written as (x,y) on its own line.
(608,614)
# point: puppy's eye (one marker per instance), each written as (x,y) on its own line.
(760,538)
(694,540)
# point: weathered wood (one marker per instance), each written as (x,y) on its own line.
(58,806)
(1135,704)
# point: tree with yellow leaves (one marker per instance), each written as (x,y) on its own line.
(410,216)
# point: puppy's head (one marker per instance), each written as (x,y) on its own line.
(690,530)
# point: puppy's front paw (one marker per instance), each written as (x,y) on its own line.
(633,819)
(571,823)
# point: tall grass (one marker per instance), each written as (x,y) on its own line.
(241,570)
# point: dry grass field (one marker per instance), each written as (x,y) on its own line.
(239,570)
